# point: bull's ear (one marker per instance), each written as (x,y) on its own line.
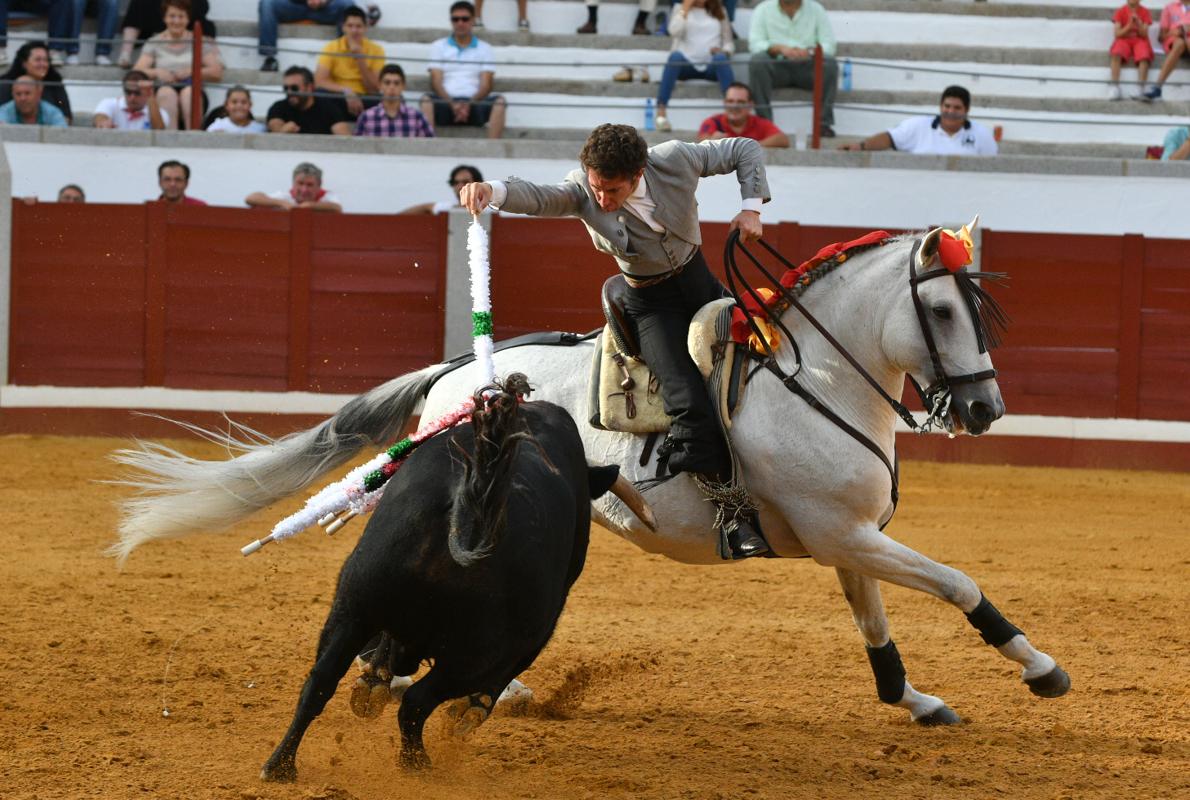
(600,479)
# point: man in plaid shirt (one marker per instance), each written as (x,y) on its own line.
(392,117)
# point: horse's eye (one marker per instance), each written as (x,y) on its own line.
(941,312)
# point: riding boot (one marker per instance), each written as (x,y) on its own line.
(735,518)
(744,539)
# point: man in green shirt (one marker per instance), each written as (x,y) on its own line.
(782,39)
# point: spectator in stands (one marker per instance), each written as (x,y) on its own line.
(1176,144)
(393,117)
(461,73)
(639,28)
(274,12)
(949,133)
(235,115)
(303,112)
(1174,33)
(27,108)
(1132,21)
(702,48)
(174,177)
(59,24)
(144,19)
(522,13)
(350,65)
(782,39)
(167,58)
(738,120)
(306,192)
(107,15)
(33,59)
(135,110)
(460,176)
(72,193)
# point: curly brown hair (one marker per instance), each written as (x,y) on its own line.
(615,151)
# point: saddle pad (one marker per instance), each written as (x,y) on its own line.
(713,352)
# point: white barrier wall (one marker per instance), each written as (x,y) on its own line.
(870,196)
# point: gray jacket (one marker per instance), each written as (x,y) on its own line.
(671,175)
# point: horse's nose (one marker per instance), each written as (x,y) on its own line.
(985,414)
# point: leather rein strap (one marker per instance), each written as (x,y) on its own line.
(935,397)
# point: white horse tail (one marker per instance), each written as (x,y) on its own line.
(179,495)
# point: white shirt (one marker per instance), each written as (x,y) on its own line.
(924,136)
(461,67)
(116,109)
(700,34)
(286,194)
(225,125)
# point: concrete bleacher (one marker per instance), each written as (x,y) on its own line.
(1037,70)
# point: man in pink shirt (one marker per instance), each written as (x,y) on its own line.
(738,120)
(1174,33)
(173,177)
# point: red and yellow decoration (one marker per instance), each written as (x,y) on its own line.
(956,249)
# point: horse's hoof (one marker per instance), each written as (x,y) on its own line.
(414,760)
(1054,683)
(368,698)
(943,715)
(279,773)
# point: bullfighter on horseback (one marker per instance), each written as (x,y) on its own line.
(638,205)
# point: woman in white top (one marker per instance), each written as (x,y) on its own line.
(702,48)
(166,58)
(238,105)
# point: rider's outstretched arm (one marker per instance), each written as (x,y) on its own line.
(540,200)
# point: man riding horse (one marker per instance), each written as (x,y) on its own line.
(638,204)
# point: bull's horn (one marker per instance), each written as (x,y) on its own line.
(628,494)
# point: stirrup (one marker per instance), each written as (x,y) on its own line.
(735,519)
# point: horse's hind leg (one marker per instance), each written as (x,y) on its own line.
(340,640)
(378,682)
(869,552)
(867,609)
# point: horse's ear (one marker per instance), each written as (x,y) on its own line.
(928,252)
(971,225)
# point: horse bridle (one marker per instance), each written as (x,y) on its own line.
(935,398)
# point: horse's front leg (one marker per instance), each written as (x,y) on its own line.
(869,552)
(892,687)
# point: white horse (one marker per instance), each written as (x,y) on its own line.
(821,492)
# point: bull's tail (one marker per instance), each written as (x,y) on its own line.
(180,495)
(480,504)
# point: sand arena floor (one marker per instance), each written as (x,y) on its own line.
(662,681)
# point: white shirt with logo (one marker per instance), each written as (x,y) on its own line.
(461,66)
(924,136)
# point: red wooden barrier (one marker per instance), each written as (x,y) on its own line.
(206,298)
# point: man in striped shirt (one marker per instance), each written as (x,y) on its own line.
(392,117)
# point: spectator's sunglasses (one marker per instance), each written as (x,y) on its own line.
(132,90)
(292,88)
(461,181)
(460,19)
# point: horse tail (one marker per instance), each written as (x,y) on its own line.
(480,505)
(179,495)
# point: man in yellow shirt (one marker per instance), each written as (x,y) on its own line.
(350,65)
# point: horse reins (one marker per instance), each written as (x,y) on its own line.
(936,397)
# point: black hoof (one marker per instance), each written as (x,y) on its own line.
(943,716)
(414,760)
(1054,683)
(283,772)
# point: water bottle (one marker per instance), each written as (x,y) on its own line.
(847,74)
(650,123)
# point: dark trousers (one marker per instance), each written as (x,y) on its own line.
(660,315)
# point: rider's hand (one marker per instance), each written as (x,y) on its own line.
(475,196)
(748,223)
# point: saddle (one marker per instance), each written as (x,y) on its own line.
(625,395)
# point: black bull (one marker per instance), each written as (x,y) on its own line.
(466,563)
